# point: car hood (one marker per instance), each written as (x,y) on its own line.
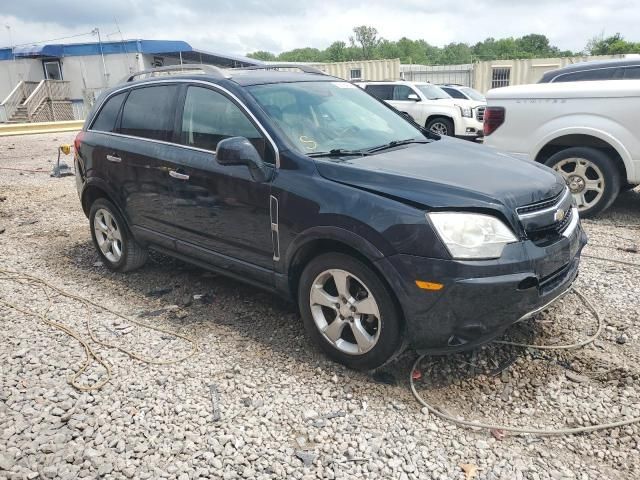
(447,173)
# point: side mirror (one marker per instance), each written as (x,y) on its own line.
(414,97)
(240,151)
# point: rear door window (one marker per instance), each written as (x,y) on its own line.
(383,92)
(588,75)
(106,119)
(149,112)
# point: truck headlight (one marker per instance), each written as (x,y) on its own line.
(465,111)
(472,235)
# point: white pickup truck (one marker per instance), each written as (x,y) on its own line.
(587,131)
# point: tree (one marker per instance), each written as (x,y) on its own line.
(337,52)
(262,55)
(368,39)
(615,44)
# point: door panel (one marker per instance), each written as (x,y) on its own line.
(220,208)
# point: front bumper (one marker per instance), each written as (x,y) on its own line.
(470,127)
(480,299)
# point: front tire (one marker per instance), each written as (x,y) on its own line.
(116,246)
(441,126)
(592,177)
(349,312)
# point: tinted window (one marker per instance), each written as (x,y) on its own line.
(209,117)
(149,112)
(588,75)
(402,92)
(383,92)
(453,92)
(632,73)
(106,119)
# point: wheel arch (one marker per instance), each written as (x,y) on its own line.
(603,143)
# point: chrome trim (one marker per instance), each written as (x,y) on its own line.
(178,175)
(183,80)
(114,159)
(545,210)
(273,215)
(575,219)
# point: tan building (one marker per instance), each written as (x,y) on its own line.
(364,70)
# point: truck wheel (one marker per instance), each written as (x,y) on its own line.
(112,239)
(441,126)
(592,177)
(349,312)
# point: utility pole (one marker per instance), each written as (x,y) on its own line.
(13,54)
(96,31)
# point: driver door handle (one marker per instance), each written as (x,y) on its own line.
(178,175)
(114,159)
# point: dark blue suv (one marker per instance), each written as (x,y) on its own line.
(384,234)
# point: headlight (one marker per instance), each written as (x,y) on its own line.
(472,235)
(465,111)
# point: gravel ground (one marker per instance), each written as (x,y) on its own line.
(257,400)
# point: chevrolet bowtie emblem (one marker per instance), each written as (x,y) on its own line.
(559,215)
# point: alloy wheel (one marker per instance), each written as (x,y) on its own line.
(439,128)
(345,311)
(585,181)
(108,235)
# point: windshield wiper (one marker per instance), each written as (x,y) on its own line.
(395,143)
(339,152)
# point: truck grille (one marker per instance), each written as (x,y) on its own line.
(480,114)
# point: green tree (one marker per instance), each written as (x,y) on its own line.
(367,38)
(615,44)
(262,55)
(337,52)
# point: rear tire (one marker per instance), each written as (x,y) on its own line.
(441,126)
(116,246)
(349,312)
(592,177)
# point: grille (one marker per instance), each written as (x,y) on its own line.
(536,207)
(480,114)
(547,235)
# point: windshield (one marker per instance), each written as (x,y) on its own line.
(319,117)
(473,94)
(432,92)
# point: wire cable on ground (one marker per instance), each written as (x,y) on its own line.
(90,353)
(528,430)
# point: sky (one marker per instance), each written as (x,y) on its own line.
(242,26)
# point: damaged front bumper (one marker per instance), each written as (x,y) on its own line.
(481,299)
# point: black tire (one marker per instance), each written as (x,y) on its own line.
(389,341)
(606,165)
(133,255)
(445,124)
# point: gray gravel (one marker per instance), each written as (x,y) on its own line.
(258,401)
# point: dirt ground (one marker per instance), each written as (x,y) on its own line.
(256,399)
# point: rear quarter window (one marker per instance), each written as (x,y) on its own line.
(149,112)
(383,92)
(106,119)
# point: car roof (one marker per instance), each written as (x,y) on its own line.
(592,65)
(241,76)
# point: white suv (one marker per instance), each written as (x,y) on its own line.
(432,107)
(587,131)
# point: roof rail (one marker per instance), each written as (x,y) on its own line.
(208,69)
(276,66)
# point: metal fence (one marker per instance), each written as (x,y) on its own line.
(451,74)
